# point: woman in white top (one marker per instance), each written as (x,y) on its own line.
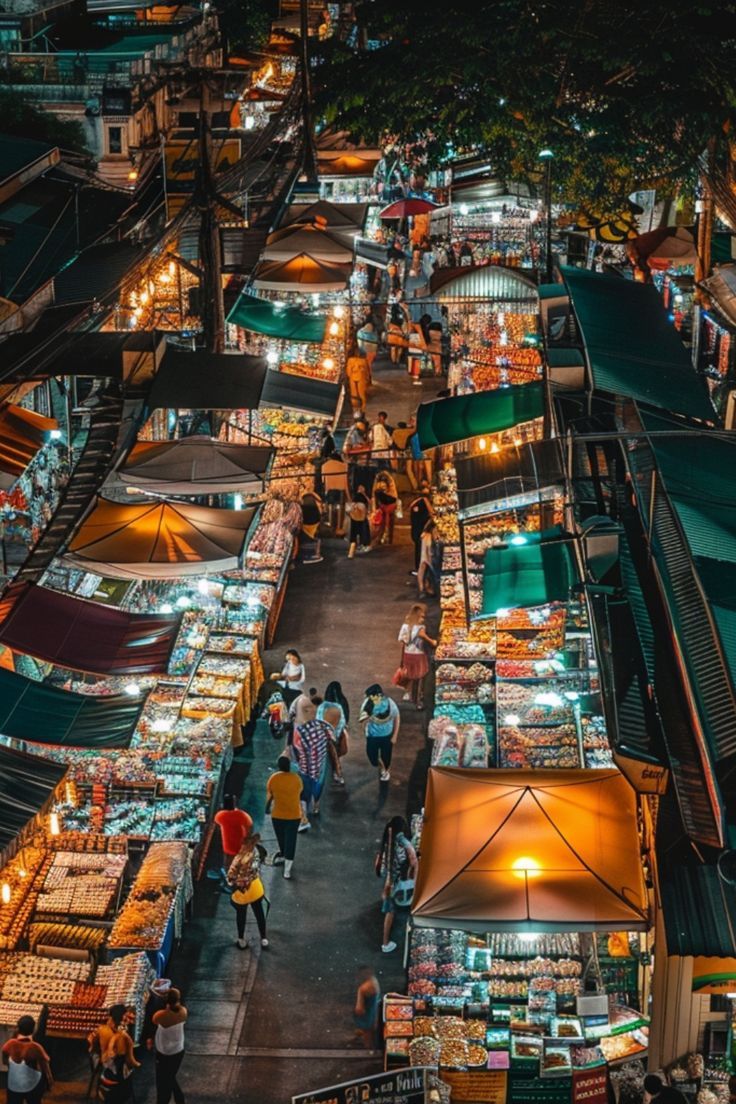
(292,676)
(169,1047)
(414,659)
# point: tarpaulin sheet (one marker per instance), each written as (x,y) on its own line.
(446,421)
(277,320)
(85,636)
(27,784)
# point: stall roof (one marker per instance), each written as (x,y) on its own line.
(530,570)
(159,540)
(301,273)
(44,714)
(301,393)
(207,381)
(27,784)
(277,319)
(522,850)
(336,216)
(632,348)
(86,636)
(317,241)
(22,432)
(484,282)
(196,465)
(346,164)
(483,478)
(446,421)
(721,286)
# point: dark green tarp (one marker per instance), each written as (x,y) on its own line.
(531,570)
(445,421)
(633,349)
(288,323)
(47,715)
(27,782)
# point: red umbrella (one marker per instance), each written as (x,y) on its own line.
(405,208)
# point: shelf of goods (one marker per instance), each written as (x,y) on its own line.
(509,1002)
(321,361)
(489,349)
(152,916)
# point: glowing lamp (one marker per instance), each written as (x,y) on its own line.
(145,297)
(54,826)
(328,364)
(502,613)
(237,502)
(164,278)
(272,357)
(5,893)
(334,329)
(132,689)
(183,601)
(464,209)
(494,447)
(339,311)
(55,434)
(172,268)
(166,608)
(482,444)
(518,539)
(161,725)
(511,719)
(526,867)
(133,175)
(495,217)
(203,586)
(528,937)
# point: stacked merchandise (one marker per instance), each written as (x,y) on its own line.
(493,348)
(157,900)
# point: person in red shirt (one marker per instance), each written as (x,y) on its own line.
(234,825)
(29,1072)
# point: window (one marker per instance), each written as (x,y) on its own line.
(114,139)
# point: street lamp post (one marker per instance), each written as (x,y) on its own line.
(547,156)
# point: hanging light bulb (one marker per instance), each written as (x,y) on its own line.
(328,364)
(165,278)
(494,447)
(203,586)
(334,329)
(132,689)
(144,297)
(482,444)
(172,268)
(339,311)
(54,826)
(6,893)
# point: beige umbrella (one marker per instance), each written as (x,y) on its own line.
(310,238)
(302,273)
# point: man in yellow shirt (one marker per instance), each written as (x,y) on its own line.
(358,376)
(283,791)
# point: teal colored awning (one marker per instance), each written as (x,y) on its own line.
(288,323)
(531,570)
(445,421)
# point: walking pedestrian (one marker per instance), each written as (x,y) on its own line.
(396,862)
(332,716)
(420,511)
(397,331)
(247,889)
(111,1049)
(414,661)
(381,441)
(234,825)
(357,449)
(335,696)
(309,542)
(358,375)
(310,742)
(367,339)
(283,792)
(426,576)
(360,530)
(367,1005)
(418,468)
(385,503)
(380,717)
(29,1069)
(168,1045)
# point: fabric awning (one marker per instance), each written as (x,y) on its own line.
(312,239)
(374,253)
(27,784)
(632,348)
(159,540)
(302,273)
(35,711)
(666,247)
(446,421)
(531,570)
(523,850)
(86,636)
(346,217)
(197,465)
(301,393)
(488,476)
(407,208)
(22,432)
(277,319)
(207,381)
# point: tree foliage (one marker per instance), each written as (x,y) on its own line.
(24,119)
(245,23)
(627,93)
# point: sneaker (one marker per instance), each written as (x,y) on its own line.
(287,868)
(278,859)
(385,776)
(315,559)
(265,944)
(387,948)
(406,697)
(363,549)
(338,780)
(304,826)
(242,943)
(412,573)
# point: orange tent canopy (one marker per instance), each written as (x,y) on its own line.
(22,433)
(522,850)
(302,273)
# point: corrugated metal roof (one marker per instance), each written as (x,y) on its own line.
(96,272)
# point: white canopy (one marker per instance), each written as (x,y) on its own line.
(310,238)
(196,465)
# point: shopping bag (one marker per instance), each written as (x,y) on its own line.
(400,678)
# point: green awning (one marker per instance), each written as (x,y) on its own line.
(633,349)
(27,784)
(445,421)
(276,320)
(36,711)
(531,570)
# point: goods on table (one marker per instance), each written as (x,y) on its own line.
(24,874)
(11,1012)
(143,919)
(80,936)
(81,884)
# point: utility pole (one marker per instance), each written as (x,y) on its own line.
(210,246)
(310,161)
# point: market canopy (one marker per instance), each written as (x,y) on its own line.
(523,850)
(159,540)
(485,282)
(86,636)
(313,396)
(207,381)
(447,421)
(27,784)
(277,319)
(302,273)
(632,348)
(44,714)
(310,238)
(487,476)
(666,247)
(346,217)
(22,432)
(530,569)
(197,465)
(346,164)
(407,208)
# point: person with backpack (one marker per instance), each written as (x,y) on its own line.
(247,889)
(396,862)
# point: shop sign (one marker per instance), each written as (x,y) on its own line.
(476,1086)
(590,1086)
(403,1086)
(644,777)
